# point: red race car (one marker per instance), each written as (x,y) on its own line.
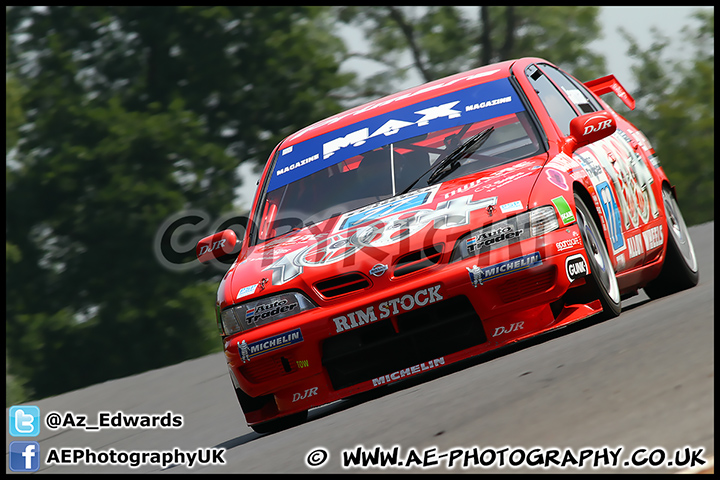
(437,224)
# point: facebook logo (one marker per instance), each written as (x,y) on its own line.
(24,456)
(24,421)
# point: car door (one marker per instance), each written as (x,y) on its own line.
(624,186)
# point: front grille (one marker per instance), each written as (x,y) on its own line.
(340,285)
(417,260)
(517,289)
(263,369)
(374,350)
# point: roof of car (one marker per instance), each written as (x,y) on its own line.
(412,95)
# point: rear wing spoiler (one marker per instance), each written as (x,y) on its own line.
(609,84)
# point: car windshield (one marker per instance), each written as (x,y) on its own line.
(382,157)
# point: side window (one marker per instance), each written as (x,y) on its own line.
(573,90)
(555,103)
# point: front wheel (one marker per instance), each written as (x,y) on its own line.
(282,423)
(602,275)
(680,269)
(250,404)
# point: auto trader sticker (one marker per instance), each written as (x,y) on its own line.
(487,238)
(249,350)
(268,310)
(478,275)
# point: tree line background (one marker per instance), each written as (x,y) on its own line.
(119,117)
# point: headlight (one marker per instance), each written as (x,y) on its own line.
(542,220)
(263,310)
(534,223)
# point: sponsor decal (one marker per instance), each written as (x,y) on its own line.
(380,232)
(310,392)
(397,305)
(575,267)
(302,363)
(575,96)
(612,215)
(653,238)
(556,178)
(245,291)
(249,350)
(212,247)
(406,372)
(244,351)
(513,327)
(485,240)
(569,243)
(654,160)
(383,102)
(464,188)
(478,275)
(511,207)
(605,124)
(490,103)
(391,206)
(505,176)
(635,246)
(620,259)
(445,111)
(268,310)
(591,166)
(299,164)
(499,234)
(563,209)
(629,177)
(623,183)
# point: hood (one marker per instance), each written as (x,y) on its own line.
(378,237)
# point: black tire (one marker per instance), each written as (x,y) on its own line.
(680,270)
(281,423)
(250,404)
(601,280)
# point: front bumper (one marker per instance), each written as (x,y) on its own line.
(431,318)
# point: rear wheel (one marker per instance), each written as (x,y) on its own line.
(602,275)
(680,270)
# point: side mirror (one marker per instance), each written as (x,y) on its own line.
(589,128)
(215,246)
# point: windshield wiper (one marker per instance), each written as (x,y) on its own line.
(453,159)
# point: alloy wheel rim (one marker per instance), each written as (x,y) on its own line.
(678,229)
(600,259)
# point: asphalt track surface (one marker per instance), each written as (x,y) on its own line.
(642,380)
